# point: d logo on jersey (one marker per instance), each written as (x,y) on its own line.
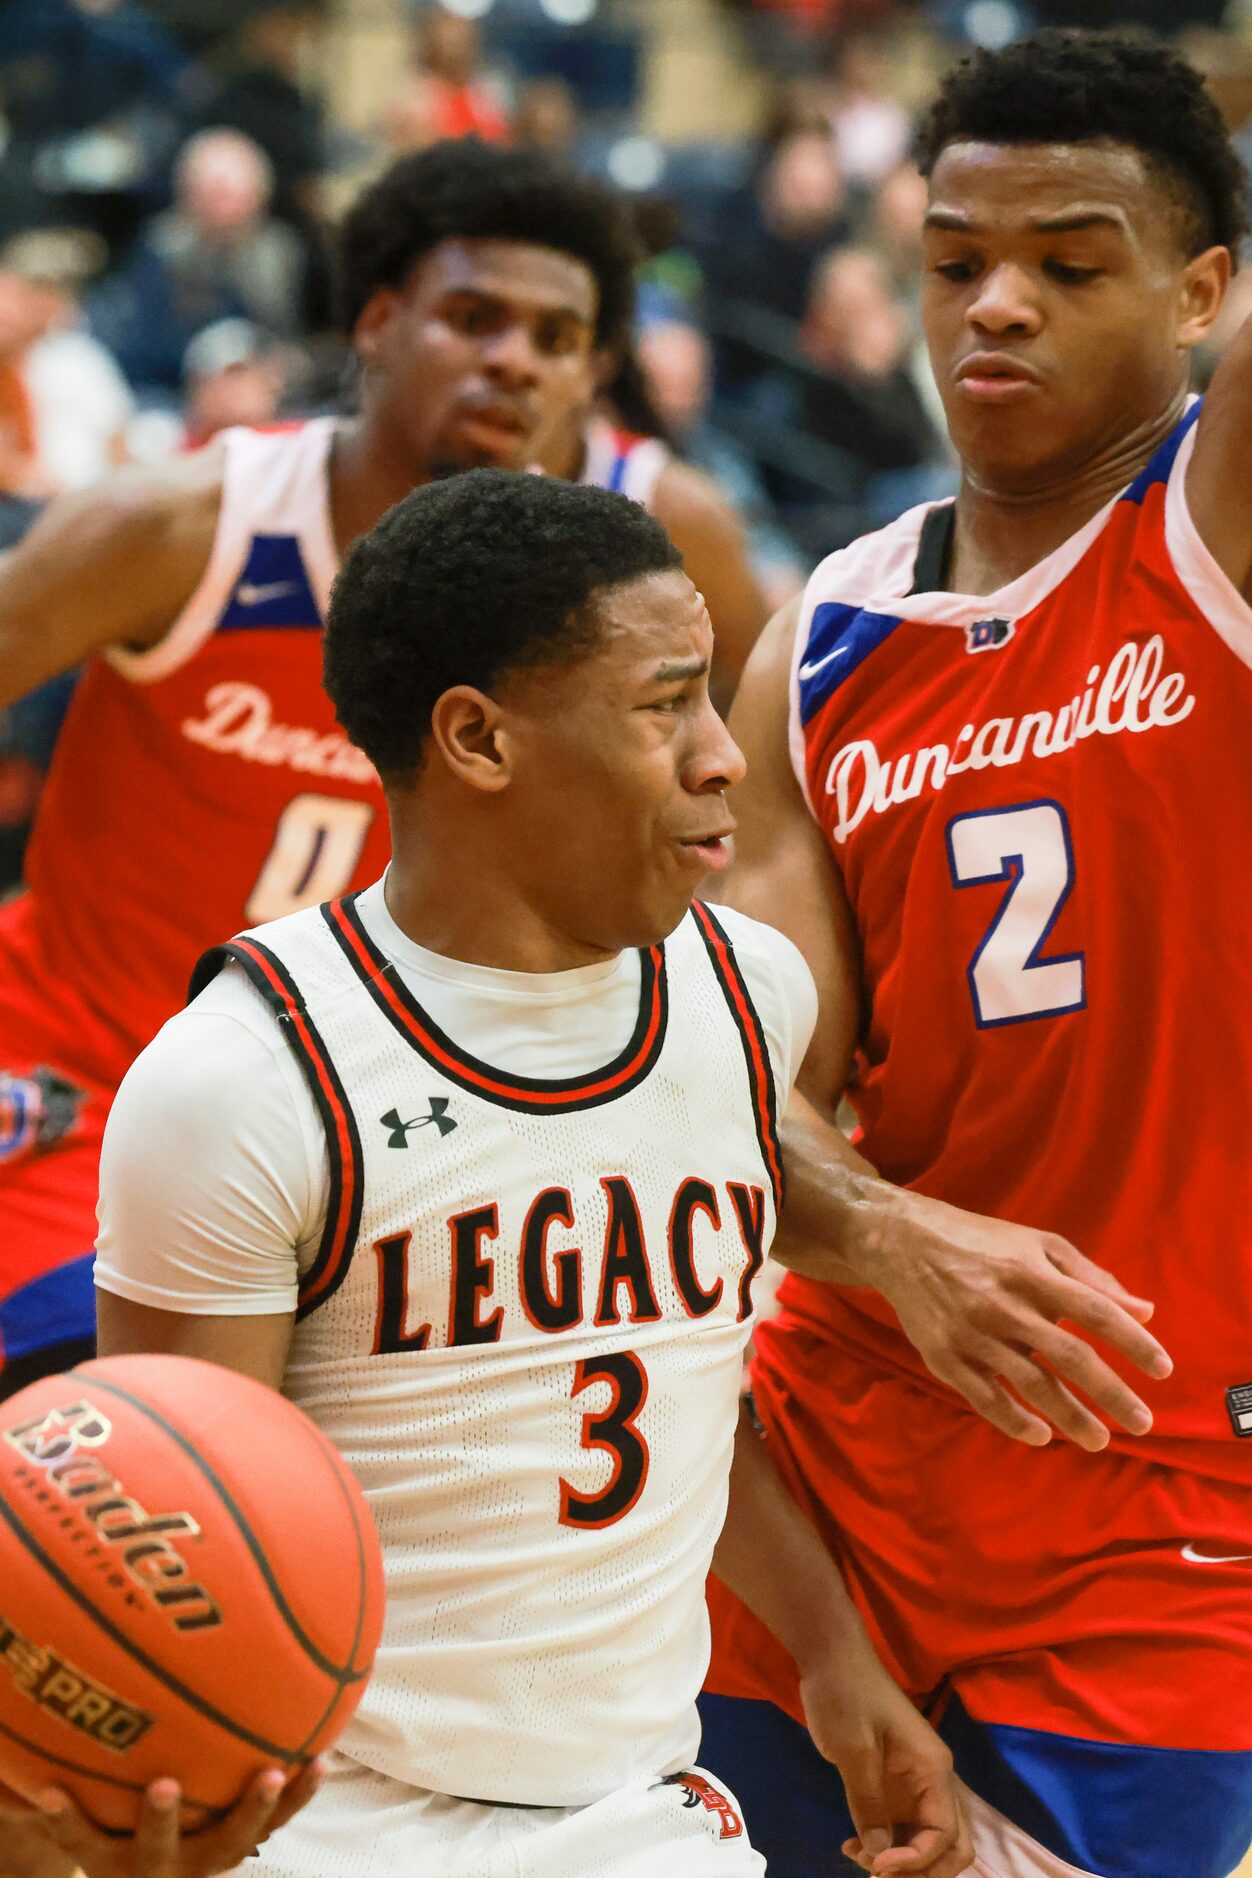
(700,1791)
(35,1111)
(987,635)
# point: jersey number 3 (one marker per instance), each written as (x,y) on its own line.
(612,1429)
(1028,846)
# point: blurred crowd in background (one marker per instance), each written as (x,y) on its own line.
(170,173)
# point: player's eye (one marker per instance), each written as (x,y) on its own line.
(471,317)
(558,341)
(1069,275)
(957,270)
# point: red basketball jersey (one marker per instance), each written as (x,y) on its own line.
(197,788)
(1040,805)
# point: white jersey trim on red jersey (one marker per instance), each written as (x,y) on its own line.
(269,479)
(1216,595)
(617,459)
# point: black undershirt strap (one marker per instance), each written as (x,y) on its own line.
(934,550)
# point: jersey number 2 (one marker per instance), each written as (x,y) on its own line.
(615,1432)
(1027,845)
(316,847)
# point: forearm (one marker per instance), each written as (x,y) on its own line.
(839,1212)
(774,1562)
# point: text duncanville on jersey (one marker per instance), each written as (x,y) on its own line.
(558,1290)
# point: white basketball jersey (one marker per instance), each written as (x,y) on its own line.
(524,1330)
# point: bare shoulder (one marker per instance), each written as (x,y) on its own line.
(686,499)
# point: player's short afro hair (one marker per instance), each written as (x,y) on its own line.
(467,190)
(1083,87)
(464,581)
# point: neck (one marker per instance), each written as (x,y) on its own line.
(1002,531)
(495,925)
(369,473)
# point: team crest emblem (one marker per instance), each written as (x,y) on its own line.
(35,1112)
(700,1791)
(988,635)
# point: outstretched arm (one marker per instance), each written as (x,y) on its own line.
(982,1299)
(113,565)
(896,1772)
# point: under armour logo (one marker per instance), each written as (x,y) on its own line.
(986,634)
(399,1135)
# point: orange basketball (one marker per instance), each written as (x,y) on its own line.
(190,1585)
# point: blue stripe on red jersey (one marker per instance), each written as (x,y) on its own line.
(273,588)
(840,638)
(1158,466)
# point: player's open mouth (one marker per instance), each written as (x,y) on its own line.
(712,853)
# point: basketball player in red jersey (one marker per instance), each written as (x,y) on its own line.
(201,781)
(631,457)
(999,794)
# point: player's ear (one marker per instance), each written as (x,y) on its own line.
(1201,290)
(465,728)
(372,322)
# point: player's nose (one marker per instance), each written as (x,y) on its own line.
(716,761)
(1005,302)
(511,357)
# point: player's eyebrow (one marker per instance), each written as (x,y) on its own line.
(1065,222)
(675,669)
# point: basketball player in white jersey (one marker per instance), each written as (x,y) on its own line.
(613,441)
(479,1166)
(200,782)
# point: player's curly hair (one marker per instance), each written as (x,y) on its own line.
(464,581)
(467,190)
(1079,87)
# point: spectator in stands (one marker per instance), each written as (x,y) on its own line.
(871,128)
(234,373)
(64,404)
(676,363)
(217,253)
(773,233)
(444,94)
(861,392)
(545,116)
(261,95)
(894,229)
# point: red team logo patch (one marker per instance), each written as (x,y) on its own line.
(35,1112)
(701,1792)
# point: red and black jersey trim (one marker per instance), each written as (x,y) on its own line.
(536,1095)
(343,1143)
(755,1051)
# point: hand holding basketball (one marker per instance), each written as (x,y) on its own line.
(158,1850)
(190,1599)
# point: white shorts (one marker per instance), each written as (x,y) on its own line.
(365,1825)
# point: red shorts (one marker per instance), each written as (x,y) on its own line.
(1100,1597)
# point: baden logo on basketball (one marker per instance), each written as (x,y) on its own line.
(58,1445)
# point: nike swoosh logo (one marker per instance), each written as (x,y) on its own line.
(811,670)
(1212,1558)
(249,595)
